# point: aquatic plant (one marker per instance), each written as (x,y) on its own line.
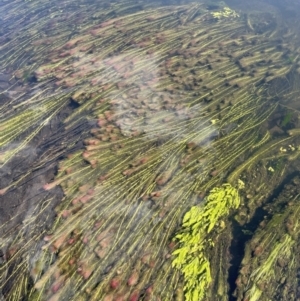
(191,257)
(270,264)
(226,12)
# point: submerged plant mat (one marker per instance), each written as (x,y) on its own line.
(191,257)
(270,266)
(178,95)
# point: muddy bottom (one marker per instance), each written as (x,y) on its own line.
(27,173)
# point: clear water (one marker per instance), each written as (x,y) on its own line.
(117,117)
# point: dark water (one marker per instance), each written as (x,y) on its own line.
(116,117)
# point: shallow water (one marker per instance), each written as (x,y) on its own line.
(117,117)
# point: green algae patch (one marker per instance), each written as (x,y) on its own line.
(191,258)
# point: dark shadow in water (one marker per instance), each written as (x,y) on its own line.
(240,238)
(41,158)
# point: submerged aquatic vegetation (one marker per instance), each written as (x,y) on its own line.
(175,98)
(225,13)
(270,265)
(195,239)
(23,118)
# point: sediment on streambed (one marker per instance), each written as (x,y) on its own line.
(27,211)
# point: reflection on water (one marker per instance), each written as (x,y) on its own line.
(178,98)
